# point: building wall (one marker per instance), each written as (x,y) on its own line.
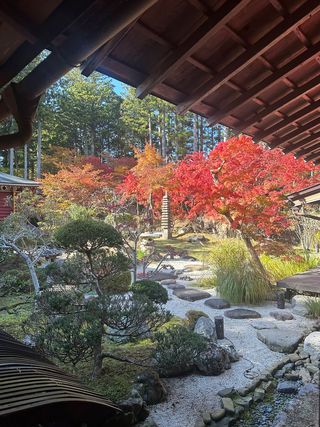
(5,207)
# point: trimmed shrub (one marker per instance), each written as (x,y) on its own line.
(176,350)
(151,289)
(238,280)
(14,282)
(192,317)
(281,267)
(313,306)
(117,284)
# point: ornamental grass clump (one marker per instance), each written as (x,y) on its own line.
(280,267)
(237,278)
(313,307)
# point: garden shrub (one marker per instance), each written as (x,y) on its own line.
(192,317)
(237,278)
(288,265)
(151,289)
(313,306)
(15,282)
(176,350)
(117,284)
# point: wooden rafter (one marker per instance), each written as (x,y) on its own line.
(276,76)
(305,151)
(301,129)
(300,114)
(302,143)
(20,23)
(251,54)
(176,57)
(311,84)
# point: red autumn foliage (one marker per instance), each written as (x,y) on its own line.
(241,183)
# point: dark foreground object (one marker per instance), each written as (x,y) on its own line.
(34,392)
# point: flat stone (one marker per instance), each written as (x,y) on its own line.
(218,414)
(167,282)
(226,392)
(305,375)
(244,401)
(281,315)
(160,276)
(294,357)
(311,345)
(287,387)
(242,313)
(267,385)
(280,340)
(263,324)
(243,391)
(228,405)
(298,304)
(190,294)
(312,368)
(175,286)
(206,416)
(258,394)
(217,303)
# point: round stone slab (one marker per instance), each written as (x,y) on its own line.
(281,315)
(263,324)
(242,313)
(280,340)
(217,303)
(175,286)
(190,294)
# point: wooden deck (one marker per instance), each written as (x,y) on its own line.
(309,281)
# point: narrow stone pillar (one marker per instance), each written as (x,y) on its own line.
(166,218)
(218,320)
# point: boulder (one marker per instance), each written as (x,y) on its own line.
(212,361)
(197,239)
(150,388)
(242,313)
(287,387)
(206,327)
(281,315)
(167,282)
(226,392)
(298,304)
(312,345)
(175,286)
(217,303)
(280,340)
(232,352)
(135,408)
(263,324)
(218,414)
(190,294)
(228,405)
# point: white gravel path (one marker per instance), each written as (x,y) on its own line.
(193,394)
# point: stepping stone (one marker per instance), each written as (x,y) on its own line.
(175,286)
(280,340)
(263,324)
(312,345)
(190,294)
(281,315)
(158,277)
(287,387)
(242,313)
(226,392)
(217,303)
(168,282)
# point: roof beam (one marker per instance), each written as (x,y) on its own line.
(296,93)
(256,90)
(288,120)
(308,150)
(176,57)
(251,54)
(313,156)
(302,143)
(18,22)
(59,21)
(301,129)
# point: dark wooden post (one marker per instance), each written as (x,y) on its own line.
(218,320)
(280,300)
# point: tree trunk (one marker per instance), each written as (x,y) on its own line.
(195,133)
(31,268)
(25,162)
(254,255)
(39,149)
(97,356)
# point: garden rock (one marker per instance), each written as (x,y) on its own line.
(213,361)
(135,407)
(197,239)
(312,345)
(228,405)
(149,422)
(217,303)
(226,392)
(281,315)
(263,324)
(242,313)
(190,294)
(175,286)
(150,388)
(218,414)
(280,340)
(206,327)
(298,304)
(287,387)
(232,352)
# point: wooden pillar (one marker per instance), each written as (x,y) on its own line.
(11,161)
(39,148)
(166,218)
(219,323)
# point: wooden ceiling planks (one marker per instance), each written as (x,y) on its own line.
(253,66)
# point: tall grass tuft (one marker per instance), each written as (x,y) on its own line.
(237,279)
(281,267)
(313,306)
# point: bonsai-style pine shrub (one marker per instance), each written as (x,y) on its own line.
(117,284)
(152,290)
(238,279)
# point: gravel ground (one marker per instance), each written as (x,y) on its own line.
(193,394)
